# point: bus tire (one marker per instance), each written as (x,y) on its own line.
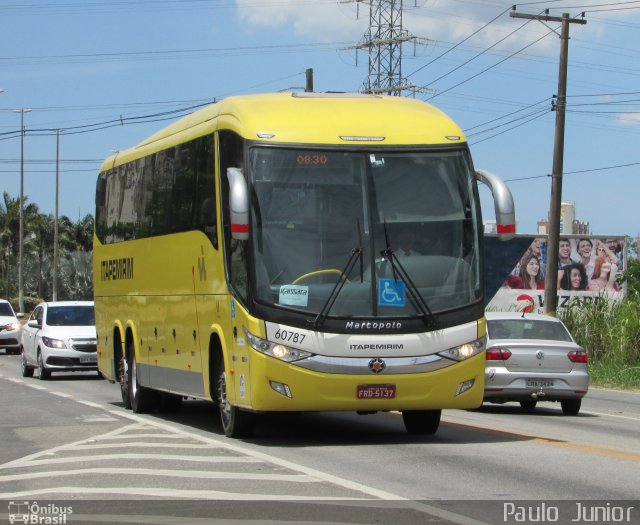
(423,422)
(143,399)
(236,423)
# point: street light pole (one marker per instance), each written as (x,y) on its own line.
(22,111)
(55,223)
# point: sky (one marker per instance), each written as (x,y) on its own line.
(109,73)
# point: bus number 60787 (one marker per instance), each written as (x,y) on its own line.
(289,336)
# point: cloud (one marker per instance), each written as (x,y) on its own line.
(628,119)
(321,21)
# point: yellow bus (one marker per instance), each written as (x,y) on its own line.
(296,252)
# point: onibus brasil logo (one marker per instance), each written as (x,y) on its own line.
(36,513)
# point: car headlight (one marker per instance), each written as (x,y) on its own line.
(13,326)
(465,351)
(277,350)
(53,343)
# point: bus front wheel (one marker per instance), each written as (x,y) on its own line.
(236,423)
(424,422)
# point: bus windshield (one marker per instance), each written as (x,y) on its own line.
(315,211)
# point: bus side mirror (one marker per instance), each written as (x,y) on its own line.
(238,204)
(503,202)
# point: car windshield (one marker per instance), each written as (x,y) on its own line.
(316,212)
(527,329)
(75,315)
(5,310)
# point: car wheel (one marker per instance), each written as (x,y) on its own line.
(236,423)
(142,399)
(424,422)
(27,371)
(43,373)
(571,407)
(528,405)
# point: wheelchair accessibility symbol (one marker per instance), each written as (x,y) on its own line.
(391,292)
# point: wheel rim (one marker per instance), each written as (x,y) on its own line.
(133,377)
(41,369)
(223,402)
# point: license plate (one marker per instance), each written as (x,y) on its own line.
(89,359)
(376,391)
(540,383)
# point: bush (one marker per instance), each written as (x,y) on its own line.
(30,303)
(610,333)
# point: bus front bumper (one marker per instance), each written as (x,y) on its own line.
(279,386)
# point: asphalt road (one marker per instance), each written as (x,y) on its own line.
(70,442)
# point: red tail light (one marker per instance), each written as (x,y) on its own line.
(498,354)
(578,356)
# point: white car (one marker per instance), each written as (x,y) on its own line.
(10,328)
(59,337)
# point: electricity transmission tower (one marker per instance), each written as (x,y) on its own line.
(383,42)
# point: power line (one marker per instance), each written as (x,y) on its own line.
(534,116)
(617,166)
(458,44)
(494,65)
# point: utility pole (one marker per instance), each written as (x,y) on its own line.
(21,231)
(553,239)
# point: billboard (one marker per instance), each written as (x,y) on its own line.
(587,270)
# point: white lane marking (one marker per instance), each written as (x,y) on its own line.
(110,457)
(139,444)
(608,414)
(171,493)
(142,436)
(192,474)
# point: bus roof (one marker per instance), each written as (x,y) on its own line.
(309,118)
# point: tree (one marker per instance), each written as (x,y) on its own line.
(75,242)
(631,276)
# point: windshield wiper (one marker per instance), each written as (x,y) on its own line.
(397,268)
(356,253)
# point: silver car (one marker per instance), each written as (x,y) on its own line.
(532,358)
(10,328)
(59,337)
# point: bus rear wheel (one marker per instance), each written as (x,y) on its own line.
(236,423)
(142,399)
(421,422)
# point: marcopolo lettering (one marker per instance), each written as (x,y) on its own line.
(117,269)
(373,325)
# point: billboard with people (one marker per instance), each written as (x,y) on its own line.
(587,270)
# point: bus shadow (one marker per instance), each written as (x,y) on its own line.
(303,429)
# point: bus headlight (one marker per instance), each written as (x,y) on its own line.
(277,350)
(465,351)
